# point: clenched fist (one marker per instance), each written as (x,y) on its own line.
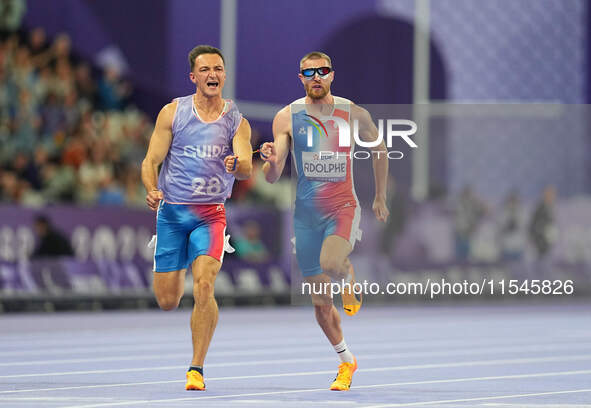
(268,152)
(153,199)
(231,163)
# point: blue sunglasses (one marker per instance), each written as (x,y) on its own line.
(309,73)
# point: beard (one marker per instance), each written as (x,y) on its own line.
(321,93)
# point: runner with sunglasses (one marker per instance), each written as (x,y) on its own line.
(203,143)
(326,219)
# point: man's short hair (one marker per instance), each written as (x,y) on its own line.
(315,54)
(203,49)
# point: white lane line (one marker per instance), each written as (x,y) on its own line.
(494,397)
(114,336)
(507,404)
(443,381)
(266,351)
(56,399)
(276,375)
(532,360)
(521,405)
(42,349)
(80,387)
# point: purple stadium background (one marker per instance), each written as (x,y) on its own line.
(524,51)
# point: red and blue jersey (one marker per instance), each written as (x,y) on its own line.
(324,169)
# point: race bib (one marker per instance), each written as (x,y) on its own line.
(323,166)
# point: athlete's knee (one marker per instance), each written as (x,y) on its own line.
(203,284)
(168,297)
(203,288)
(168,301)
(333,266)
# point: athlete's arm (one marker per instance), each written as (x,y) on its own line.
(157,150)
(275,153)
(369,133)
(240,164)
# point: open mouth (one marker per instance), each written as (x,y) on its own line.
(212,84)
(316,87)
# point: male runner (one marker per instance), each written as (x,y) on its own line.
(326,218)
(205,144)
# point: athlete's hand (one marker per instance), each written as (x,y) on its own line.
(380,209)
(268,152)
(231,163)
(153,199)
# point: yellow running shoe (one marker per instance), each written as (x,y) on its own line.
(351,301)
(195,381)
(344,377)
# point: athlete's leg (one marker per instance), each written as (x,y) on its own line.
(169,288)
(205,311)
(334,257)
(327,315)
(329,320)
(170,254)
(206,249)
(339,238)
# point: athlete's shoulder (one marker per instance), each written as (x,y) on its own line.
(359,112)
(283,114)
(181,100)
(282,121)
(231,106)
(167,112)
(339,100)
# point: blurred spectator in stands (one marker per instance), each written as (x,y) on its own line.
(52,115)
(59,183)
(56,146)
(37,43)
(85,85)
(110,193)
(135,194)
(75,151)
(249,245)
(60,50)
(113,91)
(11,16)
(23,73)
(25,122)
(64,78)
(468,214)
(43,85)
(512,228)
(71,111)
(9,187)
(542,230)
(50,241)
(27,169)
(94,173)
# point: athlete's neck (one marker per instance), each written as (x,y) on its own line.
(208,104)
(328,99)
(322,106)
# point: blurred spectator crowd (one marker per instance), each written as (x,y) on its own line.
(68,131)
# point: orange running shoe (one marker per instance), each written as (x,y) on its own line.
(344,377)
(195,381)
(351,301)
